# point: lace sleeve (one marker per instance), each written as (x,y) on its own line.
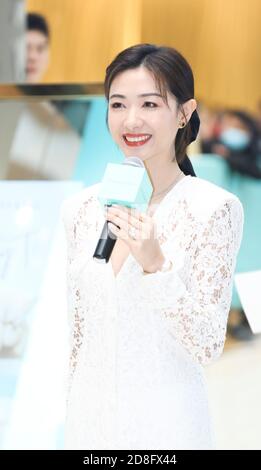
(77,227)
(196,304)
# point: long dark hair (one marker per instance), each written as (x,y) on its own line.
(171,72)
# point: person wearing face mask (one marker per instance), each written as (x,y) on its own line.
(238,143)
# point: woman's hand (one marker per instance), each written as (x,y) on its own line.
(138,231)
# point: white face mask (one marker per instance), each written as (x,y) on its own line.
(235,139)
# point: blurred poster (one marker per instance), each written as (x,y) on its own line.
(29,213)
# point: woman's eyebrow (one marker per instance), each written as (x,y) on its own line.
(139,96)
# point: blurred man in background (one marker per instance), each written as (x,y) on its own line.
(37,47)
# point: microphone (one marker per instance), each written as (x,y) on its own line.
(125,184)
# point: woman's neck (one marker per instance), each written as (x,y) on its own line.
(161,175)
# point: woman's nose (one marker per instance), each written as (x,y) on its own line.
(133,118)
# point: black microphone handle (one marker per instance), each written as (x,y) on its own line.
(105,245)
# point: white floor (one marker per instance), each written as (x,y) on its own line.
(235,394)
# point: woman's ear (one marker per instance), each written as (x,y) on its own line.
(189,107)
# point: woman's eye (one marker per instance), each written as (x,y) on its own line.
(149,103)
(116,105)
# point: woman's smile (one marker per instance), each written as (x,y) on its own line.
(136,140)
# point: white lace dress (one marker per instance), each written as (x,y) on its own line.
(139,342)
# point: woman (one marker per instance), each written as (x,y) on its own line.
(144,325)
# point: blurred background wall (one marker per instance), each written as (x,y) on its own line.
(220,38)
(86,34)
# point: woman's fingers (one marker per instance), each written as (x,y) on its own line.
(119,232)
(129,227)
(133,224)
(126,212)
(123,219)
(123,223)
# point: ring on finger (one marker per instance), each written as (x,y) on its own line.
(132,232)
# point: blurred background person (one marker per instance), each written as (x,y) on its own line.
(236,139)
(37,47)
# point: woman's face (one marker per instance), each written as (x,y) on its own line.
(142,126)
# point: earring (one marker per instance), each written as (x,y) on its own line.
(182,124)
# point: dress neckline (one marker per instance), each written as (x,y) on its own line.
(169,193)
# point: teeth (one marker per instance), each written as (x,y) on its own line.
(136,139)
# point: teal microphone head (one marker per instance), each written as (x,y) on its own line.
(126,184)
